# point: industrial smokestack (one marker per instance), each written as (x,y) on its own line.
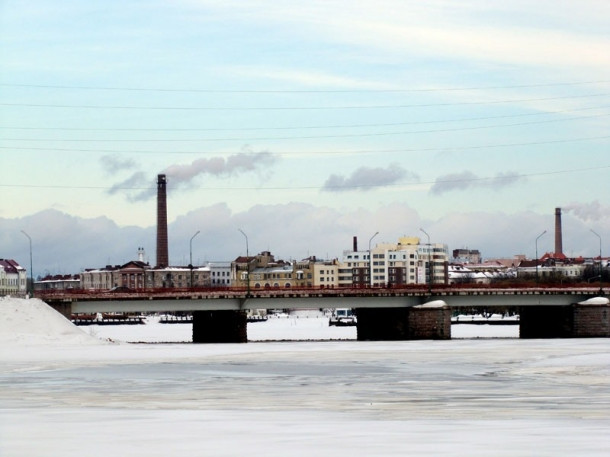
(355,244)
(162,251)
(558,237)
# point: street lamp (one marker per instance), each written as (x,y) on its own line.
(600,259)
(370,262)
(429,279)
(191,255)
(537,254)
(31,288)
(247,260)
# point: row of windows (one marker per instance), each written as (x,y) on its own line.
(221,281)
(221,273)
(357,257)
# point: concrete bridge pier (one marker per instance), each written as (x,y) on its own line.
(431,321)
(224,326)
(64,308)
(587,319)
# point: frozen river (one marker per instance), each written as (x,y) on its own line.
(474,397)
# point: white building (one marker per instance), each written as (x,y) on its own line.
(13,278)
(402,263)
(220,274)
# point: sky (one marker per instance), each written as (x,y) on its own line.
(301,125)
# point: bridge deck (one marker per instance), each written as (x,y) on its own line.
(228,299)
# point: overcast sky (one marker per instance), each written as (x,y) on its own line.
(301,124)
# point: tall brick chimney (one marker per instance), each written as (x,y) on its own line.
(558,238)
(162,251)
(355,243)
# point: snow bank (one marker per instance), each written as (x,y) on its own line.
(595,301)
(33,322)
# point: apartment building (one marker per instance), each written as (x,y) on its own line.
(405,262)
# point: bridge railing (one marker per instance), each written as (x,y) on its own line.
(242,292)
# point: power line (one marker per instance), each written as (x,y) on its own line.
(356,151)
(310,127)
(297,91)
(294,108)
(465,180)
(347,135)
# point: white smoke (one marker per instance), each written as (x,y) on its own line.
(219,166)
(593,211)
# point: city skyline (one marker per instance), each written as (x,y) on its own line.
(303,125)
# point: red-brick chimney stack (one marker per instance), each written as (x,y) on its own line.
(558,239)
(162,250)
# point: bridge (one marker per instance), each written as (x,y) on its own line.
(392,313)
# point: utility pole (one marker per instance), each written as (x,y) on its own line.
(429,279)
(191,255)
(370,261)
(31,288)
(537,255)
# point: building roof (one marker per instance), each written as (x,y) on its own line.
(11,266)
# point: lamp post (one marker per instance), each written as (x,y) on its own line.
(429,279)
(600,260)
(537,254)
(370,261)
(247,261)
(31,288)
(191,255)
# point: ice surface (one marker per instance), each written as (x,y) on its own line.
(500,397)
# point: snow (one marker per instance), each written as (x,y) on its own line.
(32,322)
(475,397)
(596,301)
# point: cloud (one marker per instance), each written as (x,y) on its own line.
(219,166)
(593,211)
(63,243)
(466,180)
(114,164)
(366,178)
(465,31)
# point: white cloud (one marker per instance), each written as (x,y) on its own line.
(114,164)
(67,244)
(467,180)
(368,178)
(476,30)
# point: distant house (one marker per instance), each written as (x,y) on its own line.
(466,256)
(551,266)
(220,274)
(13,278)
(58,282)
(263,271)
(136,275)
(482,273)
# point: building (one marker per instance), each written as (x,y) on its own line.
(402,263)
(549,268)
(137,275)
(325,273)
(13,278)
(58,282)
(466,256)
(482,273)
(263,271)
(220,274)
